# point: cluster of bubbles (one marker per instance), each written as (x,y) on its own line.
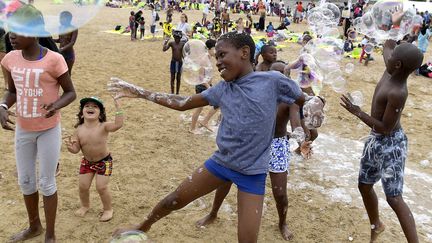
(319,62)
(41,18)
(197,66)
(378,22)
(132,236)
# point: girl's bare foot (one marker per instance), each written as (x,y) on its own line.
(81,212)
(286,233)
(26,234)
(376,230)
(208,219)
(106,215)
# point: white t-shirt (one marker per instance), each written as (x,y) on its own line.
(153,20)
(206,8)
(185,28)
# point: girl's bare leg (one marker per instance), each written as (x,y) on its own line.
(105,195)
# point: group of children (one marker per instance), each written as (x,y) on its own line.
(256,104)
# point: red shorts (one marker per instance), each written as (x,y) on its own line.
(101,167)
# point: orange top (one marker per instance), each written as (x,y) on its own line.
(36,84)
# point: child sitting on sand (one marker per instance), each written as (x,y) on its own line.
(91,137)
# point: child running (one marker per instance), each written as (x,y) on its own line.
(176,59)
(91,137)
(34,76)
(248,101)
(385,150)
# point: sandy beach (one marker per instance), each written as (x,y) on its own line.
(154,152)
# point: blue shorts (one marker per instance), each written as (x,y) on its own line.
(254,184)
(176,66)
(384,158)
(280,155)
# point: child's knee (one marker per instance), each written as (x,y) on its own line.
(172,201)
(394,200)
(27,185)
(102,189)
(47,186)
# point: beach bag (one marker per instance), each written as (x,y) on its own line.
(157,17)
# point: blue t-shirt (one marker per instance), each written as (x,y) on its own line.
(423,41)
(249,107)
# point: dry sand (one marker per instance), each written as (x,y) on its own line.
(153,152)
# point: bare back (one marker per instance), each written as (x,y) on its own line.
(93,141)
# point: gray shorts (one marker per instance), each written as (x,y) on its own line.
(43,146)
(384,158)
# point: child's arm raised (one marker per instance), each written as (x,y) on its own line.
(121,89)
(166,45)
(119,118)
(67,97)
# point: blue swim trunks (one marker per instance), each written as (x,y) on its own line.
(280,155)
(254,184)
(176,66)
(384,158)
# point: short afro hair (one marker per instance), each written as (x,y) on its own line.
(239,40)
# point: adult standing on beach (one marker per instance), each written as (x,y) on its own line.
(185,28)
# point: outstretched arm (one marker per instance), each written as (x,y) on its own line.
(390,118)
(121,89)
(9,100)
(119,118)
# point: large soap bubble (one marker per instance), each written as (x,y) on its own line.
(46,17)
(197,67)
(133,236)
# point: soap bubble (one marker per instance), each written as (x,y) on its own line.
(197,67)
(306,71)
(298,135)
(339,84)
(368,48)
(356,97)
(331,76)
(133,236)
(317,85)
(197,73)
(349,68)
(313,111)
(42,17)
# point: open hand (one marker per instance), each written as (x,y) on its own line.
(5,121)
(120,88)
(349,106)
(306,149)
(70,143)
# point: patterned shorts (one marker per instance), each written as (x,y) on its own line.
(280,155)
(384,158)
(101,167)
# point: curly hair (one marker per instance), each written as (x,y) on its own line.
(239,40)
(80,115)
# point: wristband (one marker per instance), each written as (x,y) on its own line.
(4,106)
(117,113)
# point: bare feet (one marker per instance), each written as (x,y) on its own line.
(195,131)
(208,219)
(81,212)
(286,233)
(26,234)
(376,230)
(206,126)
(106,215)
(50,240)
